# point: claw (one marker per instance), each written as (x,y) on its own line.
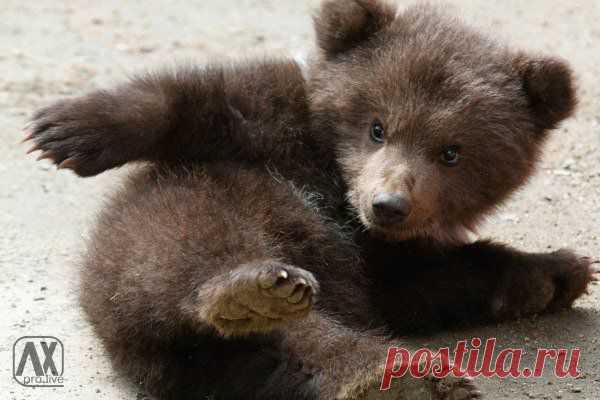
(267,279)
(297,295)
(27,125)
(34,148)
(282,274)
(28,136)
(44,155)
(69,163)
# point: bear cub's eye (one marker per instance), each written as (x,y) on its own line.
(377,132)
(450,156)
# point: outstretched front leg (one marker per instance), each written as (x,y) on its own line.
(541,282)
(246,112)
(423,287)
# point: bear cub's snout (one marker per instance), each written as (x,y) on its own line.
(391,208)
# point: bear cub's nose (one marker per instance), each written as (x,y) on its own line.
(390,208)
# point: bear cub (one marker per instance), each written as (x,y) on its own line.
(283,228)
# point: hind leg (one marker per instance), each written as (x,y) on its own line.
(189,292)
(311,359)
(349,364)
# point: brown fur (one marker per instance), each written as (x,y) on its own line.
(254,171)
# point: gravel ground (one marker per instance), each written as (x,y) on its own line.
(50,49)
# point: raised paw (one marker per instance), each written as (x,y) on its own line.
(545,282)
(88,135)
(295,285)
(258,297)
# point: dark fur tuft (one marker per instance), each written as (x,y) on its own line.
(549,85)
(342,25)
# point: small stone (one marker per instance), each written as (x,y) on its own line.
(560,172)
(146,49)
(510,218)
(568,164)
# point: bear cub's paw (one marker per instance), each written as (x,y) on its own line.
(76,134)
(572,277)
(544,283)
(258,297)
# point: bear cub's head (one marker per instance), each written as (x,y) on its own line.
(435,125)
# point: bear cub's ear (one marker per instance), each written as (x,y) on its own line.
(549,85)
(343,24)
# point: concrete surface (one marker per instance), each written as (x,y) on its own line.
(50,49)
